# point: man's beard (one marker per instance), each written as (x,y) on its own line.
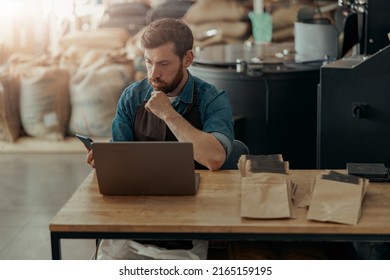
(167,88)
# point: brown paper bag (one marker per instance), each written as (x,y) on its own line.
(338,200)
(266,196)
(253,166)
(250,164)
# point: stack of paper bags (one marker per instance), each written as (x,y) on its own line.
(267,196)
(266,189)
(337,197)
(249,164)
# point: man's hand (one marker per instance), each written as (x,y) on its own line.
(160,105)
(91,159)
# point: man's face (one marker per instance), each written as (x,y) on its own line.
(165,68)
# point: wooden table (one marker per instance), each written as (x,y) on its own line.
(214,213)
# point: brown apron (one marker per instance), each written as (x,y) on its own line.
(148,127)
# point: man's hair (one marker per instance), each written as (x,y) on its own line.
(168,30)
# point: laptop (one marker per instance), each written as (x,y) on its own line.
(145,168)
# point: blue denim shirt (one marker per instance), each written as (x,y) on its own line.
(214,106)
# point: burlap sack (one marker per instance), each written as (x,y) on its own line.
(284,16)
(10,125)
(75,46)
(108,38)
(18,63)
(74,55)
(228,29)
(94,91)
(133,45)
(44,102)
(215,10)
(283,35)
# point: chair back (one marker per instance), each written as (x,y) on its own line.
(238,148)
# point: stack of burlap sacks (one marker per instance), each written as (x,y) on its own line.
(74,92)
(226,19)
(228,22)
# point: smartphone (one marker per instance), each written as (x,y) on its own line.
(86,141)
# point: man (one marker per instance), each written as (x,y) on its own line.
(171,104)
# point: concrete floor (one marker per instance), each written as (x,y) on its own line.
(33,187)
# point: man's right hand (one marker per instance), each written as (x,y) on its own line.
(159,105)
(91,159)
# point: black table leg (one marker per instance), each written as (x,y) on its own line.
(55,246)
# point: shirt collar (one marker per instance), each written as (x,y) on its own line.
(187,93)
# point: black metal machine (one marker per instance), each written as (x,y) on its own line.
(353,111)
(366,23)
(353,116)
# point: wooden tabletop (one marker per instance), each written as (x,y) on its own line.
(215,209)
